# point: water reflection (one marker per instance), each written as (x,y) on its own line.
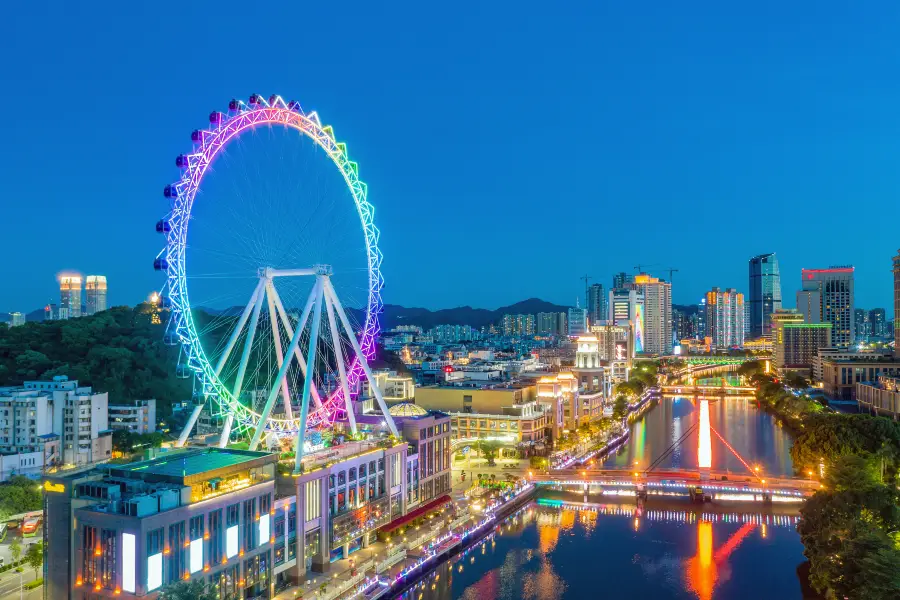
(621,551)
(753,433)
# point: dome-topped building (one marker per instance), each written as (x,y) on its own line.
(407,409)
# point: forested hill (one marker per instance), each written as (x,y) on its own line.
(117,351)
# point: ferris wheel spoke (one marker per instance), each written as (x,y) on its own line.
(339,359)
(321,282)
(362,357)
(276,338)
(237,330)
(301,325)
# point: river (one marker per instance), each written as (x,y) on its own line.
(674,551)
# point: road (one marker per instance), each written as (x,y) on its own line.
(10,584)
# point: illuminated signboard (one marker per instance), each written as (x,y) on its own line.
(263,529)
(231,541)
(154,571)
(196,562)
(639,328)
(128,562)
(58,488)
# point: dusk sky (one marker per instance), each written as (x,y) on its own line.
(509,147)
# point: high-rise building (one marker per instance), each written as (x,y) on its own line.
(860,322)
(616,346)
(700,327)
(517,325)
(596,303)
(800,344)
(551,324)
(780,318)
(626,307)
(95,293)
(897,305)
(16,319)
(577,321)
(682,324)
(765,293)
(835,288)
(70,295)
(657,313)
(725,318)
(877,323)
(809,304)
(621,280)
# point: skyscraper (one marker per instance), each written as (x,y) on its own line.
(725,317)
(620,280)
(577,321)
(70,296)
(551,323)
(859,322)
(95,292)
(596,303)
(765,293)
(657,313)
(876,322)
(897,305)
(835,288)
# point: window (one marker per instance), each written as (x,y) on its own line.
(342,478)
(362,471)
(265,503)
(196,527)
(250,526)
(313,499)
(234,512)
(89,548)
(176,551)
(215,536)
(108,558)
(352,476)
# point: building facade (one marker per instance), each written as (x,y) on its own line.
(16,319)
(95,294)
(517,325)
(577,321)
(897,305)
(139,417)
(765,293)
(552,324)
(65,424)
(725,318)
(70,296)
(834,287)
(800,344)
(596,303)
(657,330)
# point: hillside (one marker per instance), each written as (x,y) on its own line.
(117,351)
(395,315)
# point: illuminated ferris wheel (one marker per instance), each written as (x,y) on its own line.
(272,274)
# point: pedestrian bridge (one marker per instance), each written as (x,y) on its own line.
(717,484)
(707,390)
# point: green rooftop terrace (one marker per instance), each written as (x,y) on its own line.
(194,465)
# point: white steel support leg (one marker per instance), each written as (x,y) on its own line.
(186,432)
(282,372)
(362,357)
(242,369)
(308,382)
(240,325)
(339,356)
(276,336)
(301,324)
(226,430)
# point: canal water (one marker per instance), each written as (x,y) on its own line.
(668,552)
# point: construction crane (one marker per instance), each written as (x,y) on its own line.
(671,270)
(586,279)
(640,268)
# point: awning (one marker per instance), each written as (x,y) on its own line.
(433,505)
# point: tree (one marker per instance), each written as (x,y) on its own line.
(489,449)
(194,589)
(15,549)
(35,556)
(620,407)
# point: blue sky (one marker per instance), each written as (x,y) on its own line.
(509,147)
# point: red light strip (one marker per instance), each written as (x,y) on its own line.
(733,451)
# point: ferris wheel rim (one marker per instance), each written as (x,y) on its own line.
(208,144)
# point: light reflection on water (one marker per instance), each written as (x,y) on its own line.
(616,551)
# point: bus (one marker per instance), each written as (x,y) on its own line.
(30,527)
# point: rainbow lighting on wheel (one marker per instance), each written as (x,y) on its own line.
(273,277)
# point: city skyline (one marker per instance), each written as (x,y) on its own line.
(790,137)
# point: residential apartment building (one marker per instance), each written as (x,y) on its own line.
(552,324)
(517,325)
(596,303)
(139,417)
(57,422)
(725,318)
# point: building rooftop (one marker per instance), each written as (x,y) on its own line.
(187,465)
(407,409)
